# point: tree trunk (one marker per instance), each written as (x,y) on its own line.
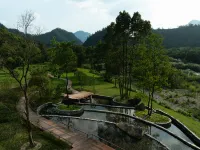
(115,82)
(67,82)
(149,103)
(29,128)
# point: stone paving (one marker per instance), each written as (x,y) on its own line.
(78,141)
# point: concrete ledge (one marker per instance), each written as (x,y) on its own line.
(114,102)
(151,137)
(103,97)
(183,128)
(68,112)
(165,125)
(43,106)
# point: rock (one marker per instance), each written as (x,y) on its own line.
(134,101)
(140,107)
(132,130)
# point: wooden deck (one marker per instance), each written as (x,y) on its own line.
(78,96)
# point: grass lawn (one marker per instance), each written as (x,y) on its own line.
(156,118)
(6,81)
(70,107)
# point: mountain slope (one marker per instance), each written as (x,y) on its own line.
(82,35)
(60,35)
(184,36)
(95,38)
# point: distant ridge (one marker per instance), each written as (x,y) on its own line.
(60,35)
(194,22)
(82,35)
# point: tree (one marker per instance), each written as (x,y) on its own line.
(16,59)
(63,57)
(16,55)
(120,39)
(151,67)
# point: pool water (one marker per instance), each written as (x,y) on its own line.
(112,134)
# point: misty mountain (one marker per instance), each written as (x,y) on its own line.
(194,22)
(82,35)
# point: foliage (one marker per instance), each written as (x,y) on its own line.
(13,131)
(68,107)
(151,66)
(178,37)
(126,30)
(186,54)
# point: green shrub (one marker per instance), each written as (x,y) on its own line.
(184,112)
(164,105)
(68,107)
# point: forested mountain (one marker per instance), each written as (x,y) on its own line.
(60,35)
(94,38)
(81,35)
(183,36)
(1,25)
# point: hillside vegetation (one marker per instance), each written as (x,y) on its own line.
(184,36)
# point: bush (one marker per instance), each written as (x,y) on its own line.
(164,105)
(68,107)
(184,112)
(86,66)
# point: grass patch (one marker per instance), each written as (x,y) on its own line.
(156,118)
(68,107)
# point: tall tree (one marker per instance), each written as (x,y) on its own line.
(151,66)
(120,38)
(63,57)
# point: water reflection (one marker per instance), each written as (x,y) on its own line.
(167,139)
(114,109)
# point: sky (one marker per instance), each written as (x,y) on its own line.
(93,15)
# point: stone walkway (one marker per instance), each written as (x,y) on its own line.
(78,141)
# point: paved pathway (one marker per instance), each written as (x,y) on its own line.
(79,141)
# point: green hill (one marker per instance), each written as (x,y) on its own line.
(60,35)
(94,38)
